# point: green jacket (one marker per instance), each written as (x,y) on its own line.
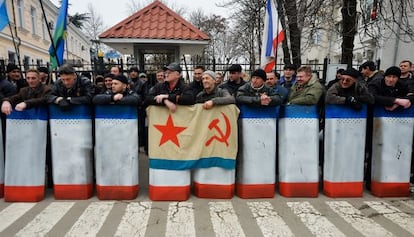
(308,95)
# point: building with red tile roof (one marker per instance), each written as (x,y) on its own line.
(156,30)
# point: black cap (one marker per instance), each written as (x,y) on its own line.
(289,66)
(43,69)
(351,72)
(110,75)
(11,67)
(173,67)
(133,69)
(260,73)
(396,71)
(368,64)
(121,78)
(235,68)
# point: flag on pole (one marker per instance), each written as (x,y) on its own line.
(4,18)
(273,35)
(57,49)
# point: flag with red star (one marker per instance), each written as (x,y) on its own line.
(192,137)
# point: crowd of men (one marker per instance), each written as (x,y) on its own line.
(393,88)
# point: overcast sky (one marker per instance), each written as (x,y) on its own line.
(114,11)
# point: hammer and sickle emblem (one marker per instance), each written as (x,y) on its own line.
(223,136)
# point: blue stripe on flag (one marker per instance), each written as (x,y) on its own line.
(379,111)
(75,112)
(116,112)
(4,17)
(192,164)
(299,111)
(39,113)
(344,111)
(269,42)
(259,112)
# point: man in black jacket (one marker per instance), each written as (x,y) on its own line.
(172,92)
(391,92)
(70,89)
(235,79)
(120,93)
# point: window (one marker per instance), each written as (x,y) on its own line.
(44,29)
(317,37)
(26,62)
(33,16)
(20,12)
(12,57)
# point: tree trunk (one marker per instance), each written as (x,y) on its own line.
(348,30)
(294,32)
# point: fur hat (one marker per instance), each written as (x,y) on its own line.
(396,71)
(260,73)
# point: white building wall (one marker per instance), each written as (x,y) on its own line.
(36,46)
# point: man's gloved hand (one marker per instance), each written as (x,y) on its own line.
(353,102)
(64,104)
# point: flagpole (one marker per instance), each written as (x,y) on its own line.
(48,31)
(16,47)
(277,30)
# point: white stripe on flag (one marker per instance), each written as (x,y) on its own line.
(135,220)
(180,219)
(353,216)
(224,219)
(270,223)
(314,220)
(395,215)
(45,220)
(91,220)
(13,212)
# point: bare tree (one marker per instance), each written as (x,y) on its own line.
(94,26)
(134,6)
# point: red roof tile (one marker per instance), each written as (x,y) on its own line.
(155,21)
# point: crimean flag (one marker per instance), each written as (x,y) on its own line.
(4,17)
(59,37)
(273,35)
(192,137)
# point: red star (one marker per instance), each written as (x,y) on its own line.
(169,131)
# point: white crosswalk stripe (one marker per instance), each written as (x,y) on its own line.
(45,221)
(314,220)
(400,218)
(91,220)
(267,217)
(134,221)
(364,225)
(409,203)
(180,219)
(224,219)
(12,213)
(270,223)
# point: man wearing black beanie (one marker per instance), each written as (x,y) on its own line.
(391,92)
(256,92)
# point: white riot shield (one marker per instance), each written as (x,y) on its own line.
(116,151)
(256,173)
(298,151)
(71,137)
(391,152)
(344,143)
(25,155)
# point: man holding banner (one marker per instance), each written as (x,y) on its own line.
(173,91)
